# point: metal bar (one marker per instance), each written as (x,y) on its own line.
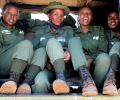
(70,3)
(58,97)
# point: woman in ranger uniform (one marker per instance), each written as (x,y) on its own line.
(15,52)
(94,44)
(113,35)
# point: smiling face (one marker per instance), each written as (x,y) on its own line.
(10,16)
(85,16)
(113,20)
(56,16)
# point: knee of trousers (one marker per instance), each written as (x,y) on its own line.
(74,40)
(77,55)
(103,60)
(39,57)
(115,49)
(25,44)
(54,50)
(75,46)
(23,50)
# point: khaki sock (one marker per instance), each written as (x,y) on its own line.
(115,62)
(18,65)
(31,73)
(59,65)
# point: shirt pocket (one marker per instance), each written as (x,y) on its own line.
(10,39)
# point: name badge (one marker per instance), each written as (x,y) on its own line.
(6,32)
(42,38)
(96,38)
(112,43)
(61,39)
(21,32)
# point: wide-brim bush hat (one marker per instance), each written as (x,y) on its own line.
(54,5)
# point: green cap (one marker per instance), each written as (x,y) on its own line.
(54,5)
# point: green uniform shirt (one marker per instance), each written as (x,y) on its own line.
(112,38)
(44,33)
(94,41)
(9,38)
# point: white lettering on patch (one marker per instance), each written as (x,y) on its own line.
(6,32)
(96,38)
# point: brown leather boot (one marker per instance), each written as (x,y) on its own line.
(109,87)
(89,87)
(24,89)
(59,85)
(10,86)
(119,91)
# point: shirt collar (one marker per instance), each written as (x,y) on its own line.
(112,34)
(79,30)
(49,29)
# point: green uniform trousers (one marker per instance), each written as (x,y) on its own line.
(102,64)
(39,58)
(23,50)
(54,50)
(115,49)
(43,81)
